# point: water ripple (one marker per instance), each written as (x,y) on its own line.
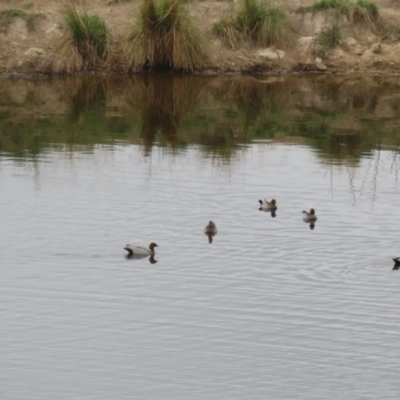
(314,311)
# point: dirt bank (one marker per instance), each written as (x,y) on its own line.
(27,42)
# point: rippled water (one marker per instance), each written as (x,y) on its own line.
(271,309)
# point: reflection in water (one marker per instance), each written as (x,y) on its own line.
(259,103)
(312,225)
(131,256)
(87,98)
(396,263)
(162,104)
(273,213)
(210,236)
(344,119)
(87,112)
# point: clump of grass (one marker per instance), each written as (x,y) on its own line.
(7,16)
(86,43)
(328,39)
(261,23)
(323,5)
(165,38)
(362,10)
(14,13)
(370,6)
(226,29)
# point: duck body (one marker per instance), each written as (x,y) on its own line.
(141,250)
(210,229)
(309,216)
(268,205)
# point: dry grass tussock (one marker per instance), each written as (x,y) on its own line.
(86,44)
(258,22)
(165,38)
(359,11)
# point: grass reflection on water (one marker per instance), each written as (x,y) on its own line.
(342,118)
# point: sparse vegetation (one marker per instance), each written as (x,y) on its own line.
(363,10)
(86,43)
(323,5)
(258,22)
(7,16)
(389,32)
(165,38)
(14,13)
(328,39)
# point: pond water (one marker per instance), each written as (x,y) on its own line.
(271,309)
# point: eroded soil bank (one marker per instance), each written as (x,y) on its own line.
(26,46)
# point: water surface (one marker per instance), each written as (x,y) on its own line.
(269,309)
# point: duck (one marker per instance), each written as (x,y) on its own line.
(268,205)
(309,216)
(210,229)
(141,250)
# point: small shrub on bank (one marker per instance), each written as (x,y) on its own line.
(362,10)
(327,40)
(165,38)
(261,23)
(86,43)
(324,5)
(7,16)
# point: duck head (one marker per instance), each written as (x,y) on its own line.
(152,245)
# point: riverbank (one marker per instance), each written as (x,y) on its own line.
(29,40)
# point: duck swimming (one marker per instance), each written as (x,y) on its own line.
(140,250)
(309,216)
(268,205)
(210,229)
